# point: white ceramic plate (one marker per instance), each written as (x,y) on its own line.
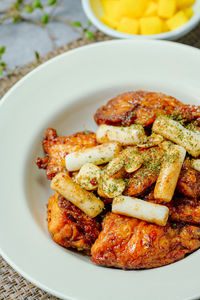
(64,93)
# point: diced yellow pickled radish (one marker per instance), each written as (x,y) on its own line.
(185,3)
(107,5)
(133,8)
(109,22)
(152,9)
(112,9)
(165,27)
(128,25)
(188,12)
(150,25)
(166,8)
(177,21)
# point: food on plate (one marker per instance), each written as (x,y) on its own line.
(56,148)
(143,210)
(146,17)
(189,181)
(145,176)
(88,176)
(195,163)
(175,132)
(69,226)
(169,173)
(131,135)
(129,195)
(142,108)
(97,155)
(130,243)
(86,201)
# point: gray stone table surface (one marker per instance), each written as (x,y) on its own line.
(23,39)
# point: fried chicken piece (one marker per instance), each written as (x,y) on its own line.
(184,210)
(181,209)
(144,177)
(69,226)
(56,148)
(142,107)
(129,243)
(189,181)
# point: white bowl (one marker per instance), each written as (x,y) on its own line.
(64,93)
(93,9)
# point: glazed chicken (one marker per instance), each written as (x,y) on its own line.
(69,226)
(56,148)
(189,181)
(129,243)
(181,209)
(142,108)
(120,241)
(148,173)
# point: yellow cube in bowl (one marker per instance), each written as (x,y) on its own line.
(178,20)
(107,5)
(188,12)
(112,9)
(165,27)
(109,22)
(152,9)
(133,8)
(151,25)
(128,25)
(185,3)
(166,8)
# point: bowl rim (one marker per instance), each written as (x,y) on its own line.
(171,35)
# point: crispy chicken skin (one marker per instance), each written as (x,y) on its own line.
(181,209)
(69,226)
(142,107)
(185,210)
(189,181)
(129,243)
(56,148)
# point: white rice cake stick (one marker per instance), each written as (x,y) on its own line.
(178,134)
(195,163)
(97,155)
(88,176)
(140,209)
(86,201)
(169,173)
(131,135)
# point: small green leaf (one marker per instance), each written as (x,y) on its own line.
(16,18)
(89,23)
(89,35)
(2,64)
(19,1)
(1,71)
(52,2)
(37,56)
(29,9)
(37,4)
(76,24)
(2,49)
(45,19)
